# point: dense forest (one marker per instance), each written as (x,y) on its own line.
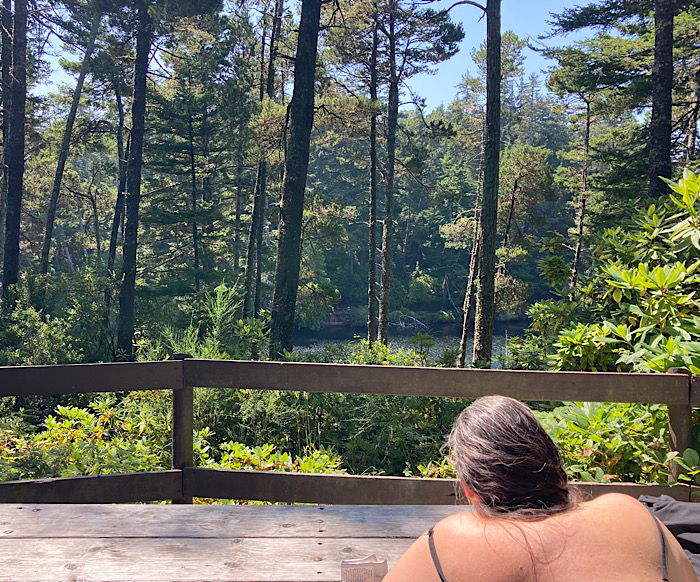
(213,176)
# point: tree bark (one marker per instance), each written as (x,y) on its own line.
(122,156)
(580,219)
(251,256)
(691,135)
(239,209)
(14,152)
(485,300)
(388,231)
(372,262)
(127,291)
(301,116)
(468,299)
(193,195)
(65,144)
(662,85)
(252,298)
(6,27)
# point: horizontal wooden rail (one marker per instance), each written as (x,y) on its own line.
(313,488)
(391,380)
(119,488)
(442,382)
(272,486)
(366,490)
(184,481)
(85,378)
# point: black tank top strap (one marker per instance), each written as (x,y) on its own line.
(664,552)
(433,554)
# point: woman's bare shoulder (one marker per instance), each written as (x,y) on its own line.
(456,522)
(617,504)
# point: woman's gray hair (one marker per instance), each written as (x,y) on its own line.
(502,454)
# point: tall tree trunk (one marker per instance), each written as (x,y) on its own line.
(253,295)
(372,263)
(662,85)
(253,250)
(239,209)
(583,199)
(65,144)
(301,117)
(6,26)
(193,194)
(468,300)
(485,299)
(14,153)
(691,135)
(96,224)
(122,156)
(125,323)
(392,125)
(511,214)
(251,256)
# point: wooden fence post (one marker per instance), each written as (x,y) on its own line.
(183,428)
(680,424)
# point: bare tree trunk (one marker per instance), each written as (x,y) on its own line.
(511,214)
(261,182)
(193,194)
(251,256)
(6,26)
(468,300)
(662,86)
(392,125)
(239,209)
(485,300)
(372,263)
(127,292)
(65,144)
(301,117)
(583,198)
(691,136)
(122,156)
(14,153)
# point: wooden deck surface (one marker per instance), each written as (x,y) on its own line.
(244,543)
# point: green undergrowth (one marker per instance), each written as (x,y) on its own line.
(118,433)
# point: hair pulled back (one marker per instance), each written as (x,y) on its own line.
(502,454)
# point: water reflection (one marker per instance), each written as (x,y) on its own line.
(445,336)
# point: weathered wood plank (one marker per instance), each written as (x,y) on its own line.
(120,488)
(311,488)
(695,389)
(443,382)
(364,490)
(184,560)
(680,492)
(77,378)
(219,521)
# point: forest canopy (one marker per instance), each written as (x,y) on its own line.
(195,147)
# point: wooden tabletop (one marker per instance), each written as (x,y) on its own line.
(234,543)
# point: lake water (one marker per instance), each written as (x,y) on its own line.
(446,337)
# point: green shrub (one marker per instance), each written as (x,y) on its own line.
(611,442)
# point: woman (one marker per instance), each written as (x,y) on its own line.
(527,525)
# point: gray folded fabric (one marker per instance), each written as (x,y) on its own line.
(682,518)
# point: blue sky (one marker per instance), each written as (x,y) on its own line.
(527,18)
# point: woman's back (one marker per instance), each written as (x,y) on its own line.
(610,538)
(527,524)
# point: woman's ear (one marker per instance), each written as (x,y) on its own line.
(469,493)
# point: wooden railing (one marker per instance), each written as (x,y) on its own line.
(184,481)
